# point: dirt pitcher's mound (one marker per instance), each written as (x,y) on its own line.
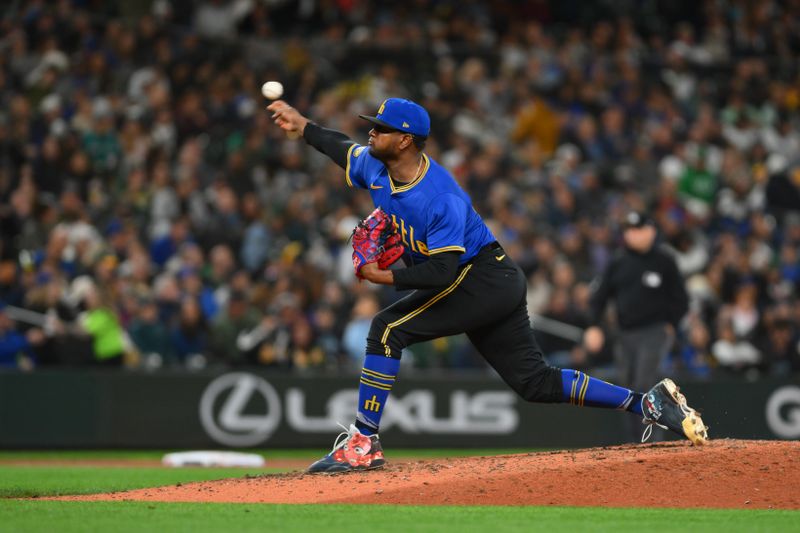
(725,473)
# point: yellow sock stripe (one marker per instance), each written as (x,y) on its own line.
(381,381)
(574,383)
(377,374)
(426,305)
(584,389)
(375,384)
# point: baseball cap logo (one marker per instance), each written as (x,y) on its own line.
(401,114)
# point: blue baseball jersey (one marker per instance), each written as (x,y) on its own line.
(433,214)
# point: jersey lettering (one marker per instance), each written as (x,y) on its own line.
(430,213)
(407,235)
(403,231)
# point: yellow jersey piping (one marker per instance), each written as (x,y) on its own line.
(424,306)
(347,166)
(408,186)
(447,249)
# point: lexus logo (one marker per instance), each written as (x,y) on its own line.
(783,412)
(223,406)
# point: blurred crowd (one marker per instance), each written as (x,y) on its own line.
(151,215)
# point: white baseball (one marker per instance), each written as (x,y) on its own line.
(272,90)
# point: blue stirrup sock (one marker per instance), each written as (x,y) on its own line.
(377,378)
(580,389)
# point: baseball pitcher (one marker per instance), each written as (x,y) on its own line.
(464,283)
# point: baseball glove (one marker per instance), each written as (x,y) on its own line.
(375,240)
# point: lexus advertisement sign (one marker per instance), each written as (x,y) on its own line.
(246,409)
(242,409)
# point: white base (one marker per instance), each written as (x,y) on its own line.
(213,458)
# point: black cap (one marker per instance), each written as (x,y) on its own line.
(636,219)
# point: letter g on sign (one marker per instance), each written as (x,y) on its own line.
(783,412)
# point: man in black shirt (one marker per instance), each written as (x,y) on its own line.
(650,299)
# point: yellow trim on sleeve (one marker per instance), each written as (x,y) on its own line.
(447,249)
(347,166)
(426,305)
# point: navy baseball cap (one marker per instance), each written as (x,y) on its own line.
(402,115)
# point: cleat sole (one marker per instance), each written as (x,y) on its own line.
(693,426)
(698,436)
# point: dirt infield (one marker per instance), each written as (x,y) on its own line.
(723,474)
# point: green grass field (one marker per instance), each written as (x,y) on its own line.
(28,515)
(25,481)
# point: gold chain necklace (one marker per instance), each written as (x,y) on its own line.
(419,168)
(419,171)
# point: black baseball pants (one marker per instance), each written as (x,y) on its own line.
(487,302)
